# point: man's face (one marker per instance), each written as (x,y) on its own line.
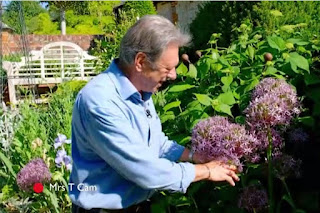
(152,80)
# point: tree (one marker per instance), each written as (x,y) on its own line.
(30,10)
(141,7)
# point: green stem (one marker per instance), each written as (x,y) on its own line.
(288,192)
(270,176)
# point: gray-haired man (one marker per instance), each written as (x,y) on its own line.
(117,141)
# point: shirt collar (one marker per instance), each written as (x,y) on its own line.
(123,85)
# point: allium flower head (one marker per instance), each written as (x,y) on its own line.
(36,171)
(286,166)
(274,102)
(276,86)
(262,136)
(218,139)
(298,136)
(253,199)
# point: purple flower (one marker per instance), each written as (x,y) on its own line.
(36,171)
(253,199)
(63,158)
(262,136)
(276,86)
(274,102)
(218,139)
(286,166)
(298,135)
(60,140)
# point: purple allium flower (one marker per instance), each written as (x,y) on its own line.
(36,171)
(218,139)
(253,199)
(276,86)
(286,166)
(60,140)
(274,102)
(63,158)
(262,136)
(298,135)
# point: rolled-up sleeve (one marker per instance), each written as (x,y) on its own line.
(169,149)
(114,139)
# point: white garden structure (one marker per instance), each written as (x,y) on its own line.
(55,63)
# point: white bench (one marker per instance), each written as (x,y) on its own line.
(55,63)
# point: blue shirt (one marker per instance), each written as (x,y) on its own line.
(120,155)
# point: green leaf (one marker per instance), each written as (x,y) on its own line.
(8,164)
(182,69)
(253,83)
(227,98)
(250,52)
(298,41)
(276,42)
(169,115)
(53,198)
(171,105)
(224,108)
(235,71)
(227,80)
(297,60)
(270,71)
(192,71)
(240,119)
(181,87)
(311,78)
(203,99)
(289,200)
(224,61)
(307,120)
(203,68)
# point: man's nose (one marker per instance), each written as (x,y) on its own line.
(172,75)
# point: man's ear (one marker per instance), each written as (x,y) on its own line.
(139,61)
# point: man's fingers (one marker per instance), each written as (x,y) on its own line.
(230,180)
(233,175)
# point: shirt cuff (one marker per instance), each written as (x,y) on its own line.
(188,175)
(175,152)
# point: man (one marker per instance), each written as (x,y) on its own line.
(118,146)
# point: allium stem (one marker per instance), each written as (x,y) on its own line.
(270,176)
(288,192)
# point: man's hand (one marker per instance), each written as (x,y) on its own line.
(216,171)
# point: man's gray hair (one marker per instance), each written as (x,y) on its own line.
(151,35)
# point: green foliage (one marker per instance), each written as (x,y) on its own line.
(220,83)
(90,17)
(12,57)
(291,18)
(34,134)
(30,10)
(223,16)
(141,7)
(107,47)
(43,25)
